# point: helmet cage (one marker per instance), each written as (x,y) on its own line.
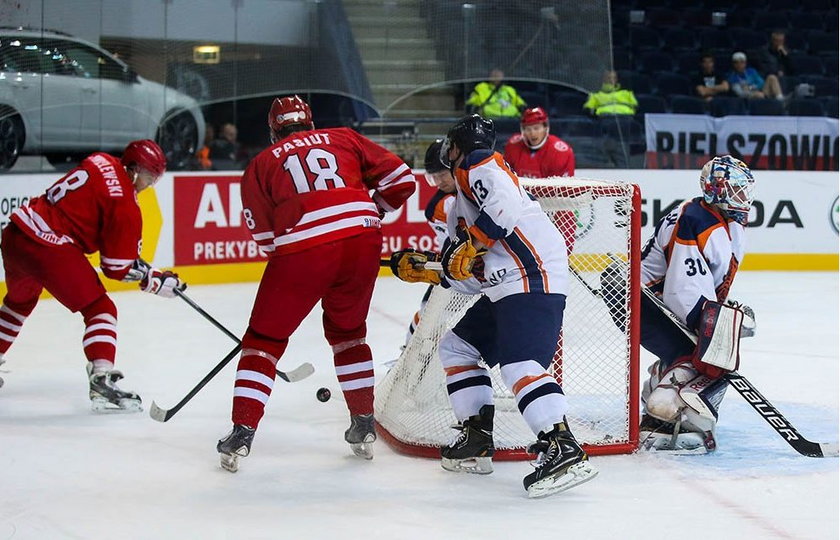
(728,183)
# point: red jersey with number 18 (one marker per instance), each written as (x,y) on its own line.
(94,207)
(313,187)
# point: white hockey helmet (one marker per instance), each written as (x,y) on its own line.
(728,183)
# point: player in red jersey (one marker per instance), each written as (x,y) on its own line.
(535,153)
(306,203)
(91,208)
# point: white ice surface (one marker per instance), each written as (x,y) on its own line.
(67,473)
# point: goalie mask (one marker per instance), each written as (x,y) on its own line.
(470,133)
(728,184)
(286,112)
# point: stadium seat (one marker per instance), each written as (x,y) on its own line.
(566,104)
(823,86)
(668,84)
(765,20)
(746,39)
(644,39)
(805,64)
(813,5)
(622,58)
(695,17)
(650,104)
(830,104)
(727,106)
(765,107)
(830,62)
(575,127)
(639,83)
(789,84)
(679,40)
(689,62)
(807,20)
(687,105)
(655,62)
(805,107)
(716,40)
(796,42)
(820,42)
(662,16)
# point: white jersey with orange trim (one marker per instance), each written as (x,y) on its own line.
(526,253)
(692,257)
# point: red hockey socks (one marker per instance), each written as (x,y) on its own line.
(12,317)
(100,339)
(255,377)
(354,368)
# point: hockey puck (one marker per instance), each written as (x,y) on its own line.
(323,395)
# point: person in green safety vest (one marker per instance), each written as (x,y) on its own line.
(611,98)
(494,99)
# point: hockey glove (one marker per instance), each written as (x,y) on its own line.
(162,283)
(408,266)
(460,255)
(748,324)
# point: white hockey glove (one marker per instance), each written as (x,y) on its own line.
(162,283)
(718,339)
(748,324)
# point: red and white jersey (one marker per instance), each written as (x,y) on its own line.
(554,158)
(526,253)
(94,207)
(313,187)
(693,256)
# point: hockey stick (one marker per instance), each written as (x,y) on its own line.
(757,401)
(299,373)
(431,265)
(162,415)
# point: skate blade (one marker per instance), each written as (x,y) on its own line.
(479,465)
(229,462)
(363,450)
(574,476)
(124,406)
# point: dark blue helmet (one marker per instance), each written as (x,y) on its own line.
(432,162)
(469,133)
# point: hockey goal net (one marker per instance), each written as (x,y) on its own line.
(596,361)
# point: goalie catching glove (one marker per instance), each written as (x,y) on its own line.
(407,265)
(460,255)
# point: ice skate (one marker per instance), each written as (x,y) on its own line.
(561,463)
(472,451)
(659,436)
(106,397)
(235,445)
(361,435)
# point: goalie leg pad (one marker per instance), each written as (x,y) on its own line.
(718,337)
(661,395)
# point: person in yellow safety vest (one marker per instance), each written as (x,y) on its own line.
(494,99)
(611,98)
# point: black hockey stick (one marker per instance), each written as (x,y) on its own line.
(162,415)
(299,373)
(757,401)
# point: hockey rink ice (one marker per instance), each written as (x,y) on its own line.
(68,473)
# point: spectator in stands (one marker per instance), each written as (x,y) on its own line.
(709,83)
(494,99)
(611,98)
(225,152)
(747,83)
(202,157)
(774,59)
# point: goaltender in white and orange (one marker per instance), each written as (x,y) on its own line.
(499,236)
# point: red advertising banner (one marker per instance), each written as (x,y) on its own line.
(208,226)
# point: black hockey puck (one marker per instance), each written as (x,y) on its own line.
(323,394)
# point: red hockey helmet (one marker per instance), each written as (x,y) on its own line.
(146,154)
(534,115)
(288,111)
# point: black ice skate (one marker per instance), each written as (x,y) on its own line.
(561,463)
(361,435)
(235,445)
(472,451)
(105,396)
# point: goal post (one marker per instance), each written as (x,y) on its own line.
(597,356)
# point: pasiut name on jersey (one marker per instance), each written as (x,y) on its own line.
(301,142)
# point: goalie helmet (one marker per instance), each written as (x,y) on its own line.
(728,184)
(145,154)
(288,111)
(470,133)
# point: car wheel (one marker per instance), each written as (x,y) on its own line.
(178,138)
(11,139)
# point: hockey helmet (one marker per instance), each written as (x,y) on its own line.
(288,111)
(432,162)
(145,154)
(470,133)
(728,183)
(534,115)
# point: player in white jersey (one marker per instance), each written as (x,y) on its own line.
(503,246)
(690,262)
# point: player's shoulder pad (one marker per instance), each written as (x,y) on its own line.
(696,219)
(475,157)
(438,197)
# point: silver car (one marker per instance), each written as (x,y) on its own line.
(64,97)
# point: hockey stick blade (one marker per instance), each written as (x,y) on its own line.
(298,374)
(779,423)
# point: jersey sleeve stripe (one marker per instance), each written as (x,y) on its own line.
(331,211)
(533,271)
(390,177)
(263,236)
(533,250)
(357,221)
(489,227)
(519,265)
